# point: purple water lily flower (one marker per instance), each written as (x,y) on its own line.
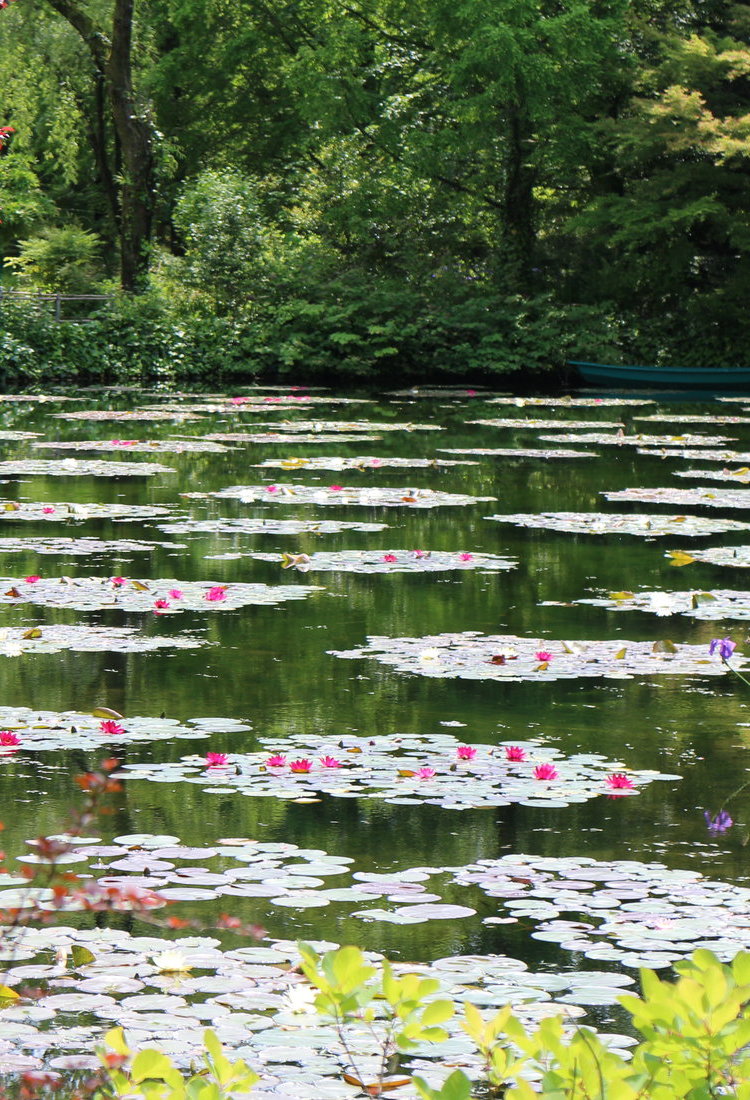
(725,646)
(718,824)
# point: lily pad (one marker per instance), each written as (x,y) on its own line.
(167,597)
(88,639)
(387,561)
(608,523)
(284,437)
(740,474)
(736,556)
(137,446)
(80,547)
(154,416)
(707,498)
(351,427)
(262,526)
(568,402)
(536,423)
(80,467)
(692,418)
(474,656)
(639,910)
(697,604)
(361,462)
(57,511)
(518,452)
(410,770)
(633,440)
(408,496)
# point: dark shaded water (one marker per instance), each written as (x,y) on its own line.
(270,666)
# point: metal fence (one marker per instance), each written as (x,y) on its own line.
(55,302)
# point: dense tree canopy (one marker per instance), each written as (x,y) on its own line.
(473,167)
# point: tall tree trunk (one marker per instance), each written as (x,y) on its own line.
(518,238)
(113,70)
(134,132)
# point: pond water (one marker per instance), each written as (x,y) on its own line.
(283,580)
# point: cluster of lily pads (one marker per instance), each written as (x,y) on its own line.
(405,770)
(387,561)
(343,495)
(649,526)
(470,655)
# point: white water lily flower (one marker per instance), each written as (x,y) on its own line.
(171,962)
(429,655)
(661,603)
(300,999)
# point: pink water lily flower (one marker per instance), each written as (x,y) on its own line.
(515,753)
(466,752)
(124,442)
(118,582)
(376,462)
(272,488)
(238,400)
(330,762)
(389,557)
(426,773)
(336,488)
(276,761)
(216,759)
(545,771)
(9,740)
(471,393)
(161,605)
(48,510)
(620,781)
(110,726)
(420,553)
(175,593)
(218,592)
(543,655)
(32,579)
(303,765)
(466,557)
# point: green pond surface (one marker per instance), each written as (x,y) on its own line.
(273,666)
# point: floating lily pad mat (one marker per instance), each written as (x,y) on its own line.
(13,435)
(716,604)
(37,397)
(257,1003)
(81,547)
(361,462)
(740,473)
(623,440)
(636,914)
(387,561)
(533,422)
(44,730)
(135,414)
(261,526)
(715,455)
(461,393)
(137,446)
(707,498)
(289,400)
(605,523)
(356,427)
(287,440)
(571,402)
(738,556)
(473,656)
(695,418)
(36,510)
(168,597)
(518,452)
(78,467)
(403,770)
(343,495)
(88,639)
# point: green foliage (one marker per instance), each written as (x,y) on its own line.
(151,1075)
(59,260)
(694,1033)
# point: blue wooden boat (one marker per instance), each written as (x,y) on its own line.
(673,378)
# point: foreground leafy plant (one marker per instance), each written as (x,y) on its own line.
(152,1075)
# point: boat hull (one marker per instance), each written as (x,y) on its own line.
(673,378)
